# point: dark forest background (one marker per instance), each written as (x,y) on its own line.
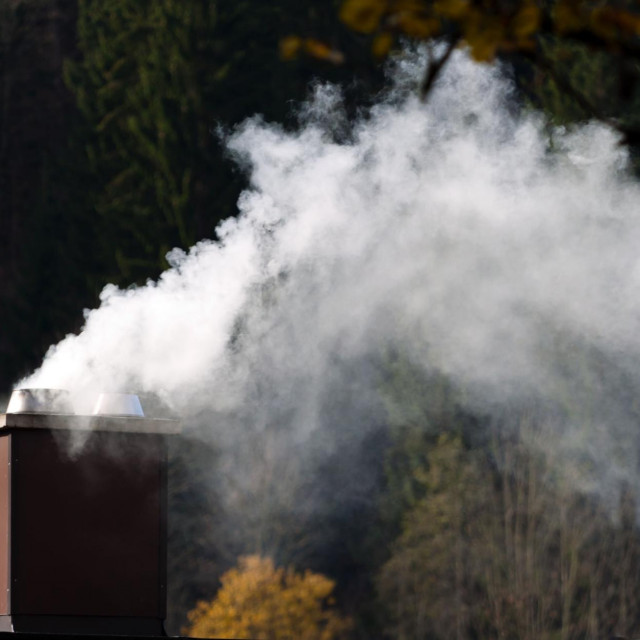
(108,148)
(109,158)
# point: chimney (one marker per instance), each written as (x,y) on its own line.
(82,516)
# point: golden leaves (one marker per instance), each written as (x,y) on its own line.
(417,25)
(322,51)
(363,15)
(452,9)
(568,16)
(485,30)
(487,27)
(292,46)
(486,33)
(258,600)
(382,44)
(484,36)
(526,22)
(612,23)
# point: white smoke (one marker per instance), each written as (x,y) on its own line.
(452,232)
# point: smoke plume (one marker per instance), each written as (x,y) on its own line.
(460,233)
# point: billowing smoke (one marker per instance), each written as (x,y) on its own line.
(460,233)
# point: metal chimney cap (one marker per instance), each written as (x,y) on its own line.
(50,401)
(118,404)
(51,409)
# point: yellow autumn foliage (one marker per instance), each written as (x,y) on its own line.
(363,15)
(452,9)
(418,25)
(262,602)
(612,24)
(568,16)
(290,46)
(526,21)
(487,27)
(321,51)
(382,44)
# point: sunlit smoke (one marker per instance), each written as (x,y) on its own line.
(459,233)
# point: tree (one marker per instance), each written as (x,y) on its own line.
(505,543)
(155,82)
(48,268)
(258,600)
(423,584)
(523,31)
(142,85)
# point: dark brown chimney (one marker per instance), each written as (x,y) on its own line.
(82,522)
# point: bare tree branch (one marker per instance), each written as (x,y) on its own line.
(434,69)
